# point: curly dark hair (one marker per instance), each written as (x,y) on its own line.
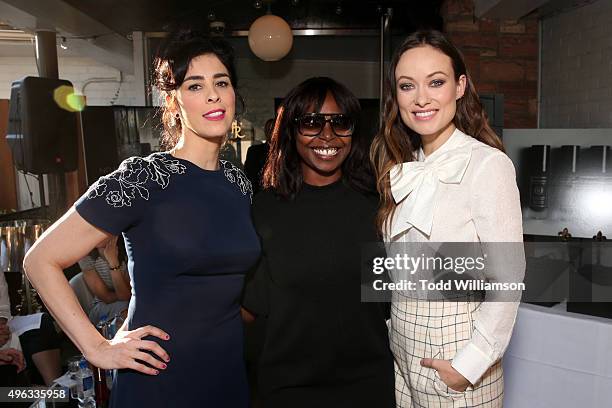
(283,170)
(171,65)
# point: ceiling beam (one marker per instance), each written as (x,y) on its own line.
(86,35)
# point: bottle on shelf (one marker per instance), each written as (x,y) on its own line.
(102,377)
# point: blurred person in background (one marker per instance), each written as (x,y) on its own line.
(106,277)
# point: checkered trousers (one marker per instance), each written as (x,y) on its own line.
(436,329)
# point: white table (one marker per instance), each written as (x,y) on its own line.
(558,359)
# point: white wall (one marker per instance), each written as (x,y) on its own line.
(76,70)
(577,68)
(260,82)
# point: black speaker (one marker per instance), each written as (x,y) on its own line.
(42,131)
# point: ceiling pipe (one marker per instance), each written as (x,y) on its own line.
(385,46)
(46,62)
(46,54)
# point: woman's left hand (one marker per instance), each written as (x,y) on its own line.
(451,377)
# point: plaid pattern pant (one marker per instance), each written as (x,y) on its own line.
(436,329)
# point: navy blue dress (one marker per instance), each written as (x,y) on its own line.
(190,240)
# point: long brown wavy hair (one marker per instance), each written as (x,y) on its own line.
(396,143)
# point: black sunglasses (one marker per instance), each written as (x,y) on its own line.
(312,124)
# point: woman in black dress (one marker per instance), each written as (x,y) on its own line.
(185,217)
(323,346)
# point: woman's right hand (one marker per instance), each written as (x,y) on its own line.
(14,357)
(127,347)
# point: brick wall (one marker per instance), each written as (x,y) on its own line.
(77,71)
(502,57)
(577,68)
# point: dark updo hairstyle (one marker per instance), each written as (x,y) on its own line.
(283,170)
(171,65)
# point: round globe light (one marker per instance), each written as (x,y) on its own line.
(270,38)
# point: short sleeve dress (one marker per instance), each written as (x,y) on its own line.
(190,240)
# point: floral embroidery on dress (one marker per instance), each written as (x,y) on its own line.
(236,176)
(131,177)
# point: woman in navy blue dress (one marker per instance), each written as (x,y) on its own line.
(185,217)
